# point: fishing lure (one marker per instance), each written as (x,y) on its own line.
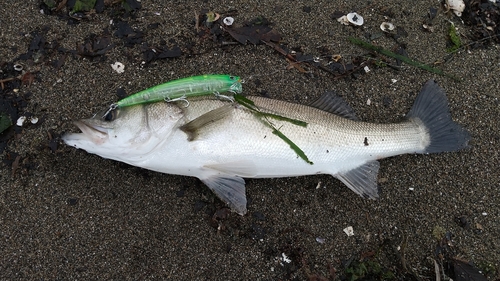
(181,89)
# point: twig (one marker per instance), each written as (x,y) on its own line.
(7,80)
(197,21)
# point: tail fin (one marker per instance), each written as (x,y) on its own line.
(431,108)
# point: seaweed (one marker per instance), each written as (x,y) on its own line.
(455,41)
(5,122)
(402,58)
(252,107)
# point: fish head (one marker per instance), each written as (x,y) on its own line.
(126,134)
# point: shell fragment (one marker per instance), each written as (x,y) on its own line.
(349,231)
(457,6)
(355,19)
(387,26)
(351,19)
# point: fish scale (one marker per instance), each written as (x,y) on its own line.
(343,138)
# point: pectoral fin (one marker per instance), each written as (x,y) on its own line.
(230,189)
(362,180)
(192,129)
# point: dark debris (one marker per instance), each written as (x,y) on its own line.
(254,34)
(455,267)
(19,164)
(129,35)
(483,17)
(256,31)
(38,46)
(155,53)
(74,11)
(95,45)
(13,106)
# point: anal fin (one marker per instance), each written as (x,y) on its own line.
(230,189)
(362,180)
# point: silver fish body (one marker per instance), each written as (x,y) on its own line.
(221,143)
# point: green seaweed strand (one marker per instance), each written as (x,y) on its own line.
(404,59)
(252,107)
(292,145)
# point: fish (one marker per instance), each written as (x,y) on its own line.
(222,142)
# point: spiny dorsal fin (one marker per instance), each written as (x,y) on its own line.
(193,127)
(362,180)
(332,103)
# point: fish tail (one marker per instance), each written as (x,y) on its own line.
(431,108)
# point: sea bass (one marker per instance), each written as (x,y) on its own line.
(222,142)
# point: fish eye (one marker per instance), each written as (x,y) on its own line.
(110,116)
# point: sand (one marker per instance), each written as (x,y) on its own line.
(71,215)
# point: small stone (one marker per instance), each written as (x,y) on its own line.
(72,201)
(320,240)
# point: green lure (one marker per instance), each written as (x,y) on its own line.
(181,89)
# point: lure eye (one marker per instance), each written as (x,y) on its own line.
(232,77)
(110,116)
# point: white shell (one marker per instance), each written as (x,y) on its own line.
(228,21)
(457,6)
(428,27)
(343,20)
(349,231)
(20,121)
(387,26)
(355,19)
(285,258)
(118,67)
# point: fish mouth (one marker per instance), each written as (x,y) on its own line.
(90,129)
(90,132)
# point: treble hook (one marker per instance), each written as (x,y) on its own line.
(167,99)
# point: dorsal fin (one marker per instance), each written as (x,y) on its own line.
(332,103)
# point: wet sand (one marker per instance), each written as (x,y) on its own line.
(73,215)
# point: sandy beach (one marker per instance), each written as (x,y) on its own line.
(69,215)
